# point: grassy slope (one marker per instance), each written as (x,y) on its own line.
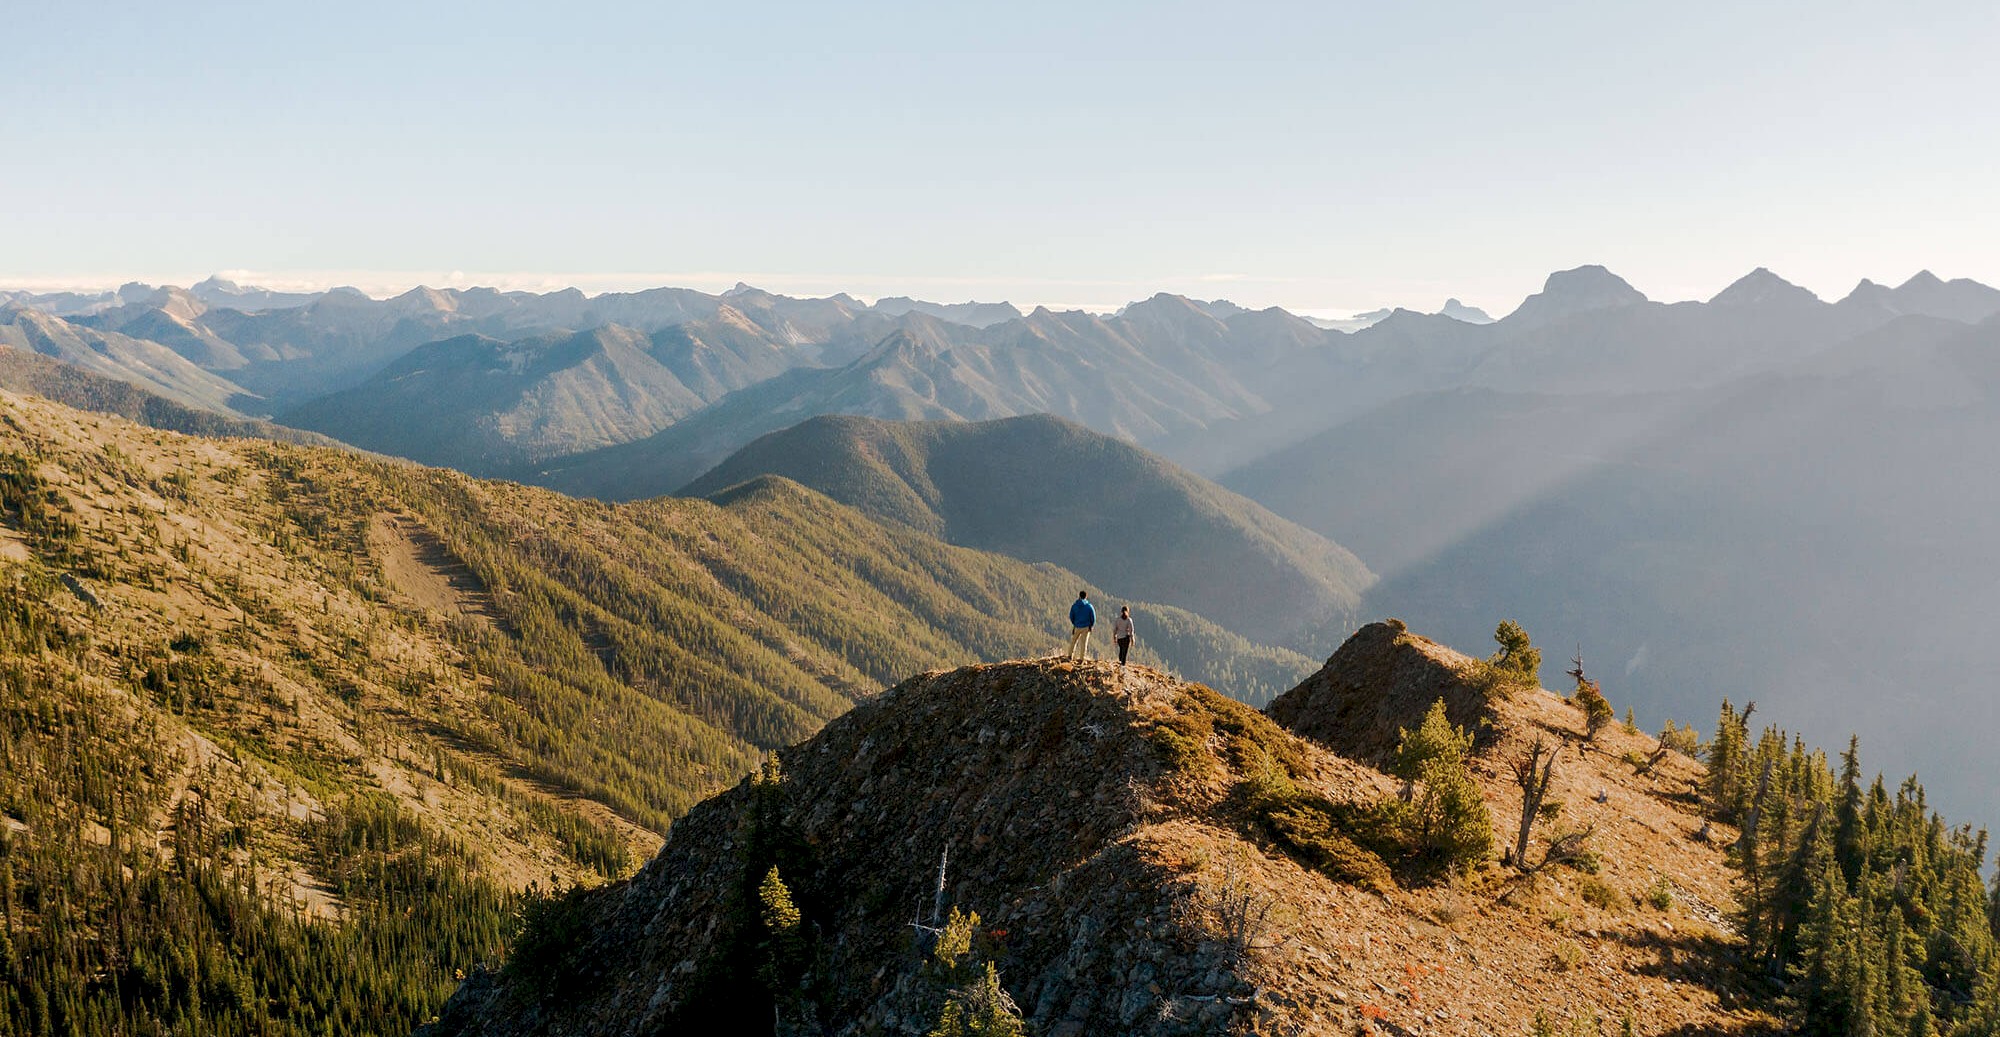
(1040,488)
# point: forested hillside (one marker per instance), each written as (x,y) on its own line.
(1043,489)
(287,730)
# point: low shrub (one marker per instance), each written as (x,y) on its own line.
(1318,833)
(1599,893)
(1660,895)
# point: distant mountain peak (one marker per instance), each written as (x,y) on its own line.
(1578,290)
(1960,299)
(1761,286)
(1164,304)
(423,297)
(1461,312)
(971,313)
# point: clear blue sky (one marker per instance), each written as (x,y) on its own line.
(1314,155)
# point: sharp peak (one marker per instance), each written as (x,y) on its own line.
(1760,285)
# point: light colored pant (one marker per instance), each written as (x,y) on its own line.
(1079,643)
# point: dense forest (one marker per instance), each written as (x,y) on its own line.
(1865,906)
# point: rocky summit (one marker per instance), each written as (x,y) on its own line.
(1134,854)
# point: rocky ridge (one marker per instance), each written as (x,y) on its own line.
(1105,825)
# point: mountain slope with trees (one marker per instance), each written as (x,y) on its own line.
(289,731)
(1043,489)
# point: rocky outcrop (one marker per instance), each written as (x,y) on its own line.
(1382,680)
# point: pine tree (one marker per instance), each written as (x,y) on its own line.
(1993,906)
(1518,663)
(1597,711)
(1448,822)
(1724,788)
(784,939)
(1847,834)
(981,1009)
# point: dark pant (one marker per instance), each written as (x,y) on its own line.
(1123,644)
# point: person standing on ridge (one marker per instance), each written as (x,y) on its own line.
(1082,616)
(1121,631)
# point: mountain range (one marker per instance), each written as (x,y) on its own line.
(296,732)
(1444,452)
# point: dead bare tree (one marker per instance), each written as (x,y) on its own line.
(929,932)
(1535,772)
(1653,761)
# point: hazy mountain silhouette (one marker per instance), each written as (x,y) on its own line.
(485,407)
(1161,367)
(1819,537)
(972,314)
(1459,311)
(142,362)
(1925,294)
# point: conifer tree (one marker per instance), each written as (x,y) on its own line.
(1847,834)
(1724,788)
(1589,698)
(981,1009)
(1448,821)
(784,940)
(1518,663)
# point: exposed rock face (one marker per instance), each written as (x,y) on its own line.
(1383,679)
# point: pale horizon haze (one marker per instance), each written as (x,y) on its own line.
(1328,158)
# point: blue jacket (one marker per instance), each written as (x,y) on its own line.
(1082,615)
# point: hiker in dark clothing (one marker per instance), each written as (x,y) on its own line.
(1082,616)
(1121,632)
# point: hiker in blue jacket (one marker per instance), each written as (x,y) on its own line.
(1081,618)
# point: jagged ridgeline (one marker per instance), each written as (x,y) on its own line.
(286,731)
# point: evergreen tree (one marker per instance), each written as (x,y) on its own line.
(784,940)
(1847,835)
(982,1009)
(1875,909)
(1597,711)
(1724,790)
(1447,822)
(1518,663)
